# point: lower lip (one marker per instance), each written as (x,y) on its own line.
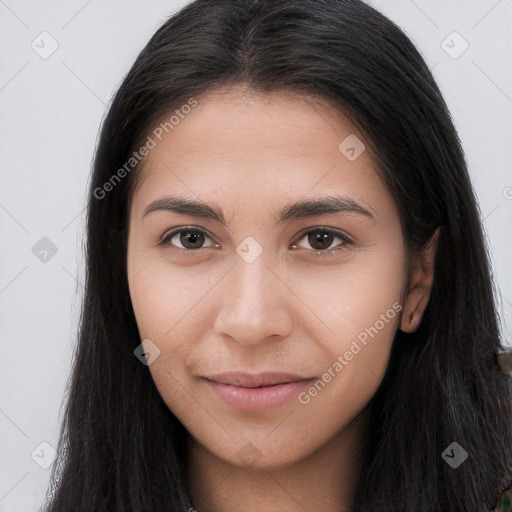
(257,399)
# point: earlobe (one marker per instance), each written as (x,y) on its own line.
(421,279)
(409,324)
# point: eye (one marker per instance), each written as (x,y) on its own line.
(321,238)
(190,238)
(187,239)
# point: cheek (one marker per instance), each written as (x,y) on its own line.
(170,304)
(351,297)
(164,295)
(163,304)
(359,305)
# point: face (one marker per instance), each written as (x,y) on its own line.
(246,290)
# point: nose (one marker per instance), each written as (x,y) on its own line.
(255,303)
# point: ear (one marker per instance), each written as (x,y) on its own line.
(421,277)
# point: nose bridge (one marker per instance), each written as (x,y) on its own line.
(253,304)
(253,282)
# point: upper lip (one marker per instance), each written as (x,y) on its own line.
(255,380)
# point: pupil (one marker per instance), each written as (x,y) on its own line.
(190,237)
(321,237)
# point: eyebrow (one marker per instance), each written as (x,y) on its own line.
(299,210)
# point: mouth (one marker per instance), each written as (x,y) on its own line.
(256,392)
(256,380)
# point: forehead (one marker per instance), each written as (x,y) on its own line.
(257,146)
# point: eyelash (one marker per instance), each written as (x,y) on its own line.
(166,240)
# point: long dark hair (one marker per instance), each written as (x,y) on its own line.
(120,447)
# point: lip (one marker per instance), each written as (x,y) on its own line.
(255,380)
(255,392)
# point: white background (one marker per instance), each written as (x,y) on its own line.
(50,111)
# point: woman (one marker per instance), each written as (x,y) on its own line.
(288,301)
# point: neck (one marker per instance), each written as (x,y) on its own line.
(325,480)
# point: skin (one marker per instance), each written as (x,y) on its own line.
(289,310)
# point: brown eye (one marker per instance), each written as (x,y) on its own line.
(191,239)
(185,239)
(321,239)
